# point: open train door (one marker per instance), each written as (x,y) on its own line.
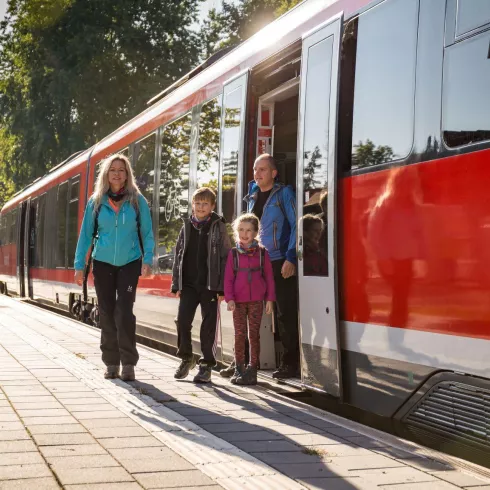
(316,197)
(230,181)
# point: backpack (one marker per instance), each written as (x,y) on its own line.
(237,268)
(94,236)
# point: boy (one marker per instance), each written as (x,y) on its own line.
(197,279)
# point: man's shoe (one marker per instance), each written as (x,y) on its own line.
(127,373)
(204,374)
(111,372)
(229,371)
(238,373)
(185,366)
(249,377)
(285,372)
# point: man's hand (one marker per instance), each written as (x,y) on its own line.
(177,294)
(79,277)
(145,270)
(288,269)
(269,307)
(231,305)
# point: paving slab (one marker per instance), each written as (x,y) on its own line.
(21,471)
(63,439)
(57,429)
(7,459)
(88,461)
(71,450)
(30,484)
(173,479)
(111,474)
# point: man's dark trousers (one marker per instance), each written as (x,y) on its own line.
(287,314)
(190,298)
(116,293)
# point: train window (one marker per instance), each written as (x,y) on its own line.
(466,105)
(209,139)
(61,224)
(174,188)
(39,255)
(72,234)
(384,86)
(144,166)
(471,14)
(231,137)
(13,226)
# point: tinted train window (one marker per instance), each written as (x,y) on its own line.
(144,166)
(13,226)
(72,235)
(382,43)
(61,224)
(209,139)
(471,14)
(174,188)
(466,103)
(39,254)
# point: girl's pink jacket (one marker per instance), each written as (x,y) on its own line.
(239,289)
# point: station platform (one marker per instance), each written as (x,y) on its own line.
(62,425)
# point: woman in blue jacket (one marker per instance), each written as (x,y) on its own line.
(119,218)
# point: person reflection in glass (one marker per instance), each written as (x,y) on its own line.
(315,261)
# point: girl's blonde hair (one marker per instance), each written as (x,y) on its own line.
(246,218)
(102,185)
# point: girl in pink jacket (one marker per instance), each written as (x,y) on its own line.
(249,281)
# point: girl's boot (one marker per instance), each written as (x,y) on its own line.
(249,377)
(239,370)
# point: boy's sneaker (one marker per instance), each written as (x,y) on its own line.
(111,372)
(127,373)
(237,375)
(204,374)
(249,377)
(185,366)
(229,371)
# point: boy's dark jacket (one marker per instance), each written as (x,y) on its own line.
(218,247)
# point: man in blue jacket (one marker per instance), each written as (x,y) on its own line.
(275,205)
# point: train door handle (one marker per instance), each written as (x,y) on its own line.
(327,310)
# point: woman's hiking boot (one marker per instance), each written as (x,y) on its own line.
(248,378)
(127,373)
(185,366)
(229,371)
(204,374)
(111,372)
(238,373)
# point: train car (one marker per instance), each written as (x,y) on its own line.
(378,113)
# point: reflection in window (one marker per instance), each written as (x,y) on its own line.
(61,224)
(144,166)
(466,104)
(209,139)
(315,156)
(471,14)
(231,146)
(39,254)
(73,221)
(13,226)
(384,84)
(174,188)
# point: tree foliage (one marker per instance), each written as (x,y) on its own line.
(237,21)
(72,71)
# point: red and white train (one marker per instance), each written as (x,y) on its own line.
(378,113)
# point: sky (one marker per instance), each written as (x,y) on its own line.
(3,7)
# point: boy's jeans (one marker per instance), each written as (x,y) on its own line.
(190,299)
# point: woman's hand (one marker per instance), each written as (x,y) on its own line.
(269,307)
(231,305)
(79,277)
(145,270)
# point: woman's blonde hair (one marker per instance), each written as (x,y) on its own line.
(102,184)
(246,218)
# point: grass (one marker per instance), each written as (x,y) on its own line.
(311,451)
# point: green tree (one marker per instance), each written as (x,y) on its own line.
(368,154)
(72,71)
(236,22)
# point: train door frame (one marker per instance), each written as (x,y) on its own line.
(318,313)
(29,246)
(21,248)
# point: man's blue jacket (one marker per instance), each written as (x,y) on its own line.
(278,222)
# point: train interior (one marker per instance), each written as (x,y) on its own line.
(275,102)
